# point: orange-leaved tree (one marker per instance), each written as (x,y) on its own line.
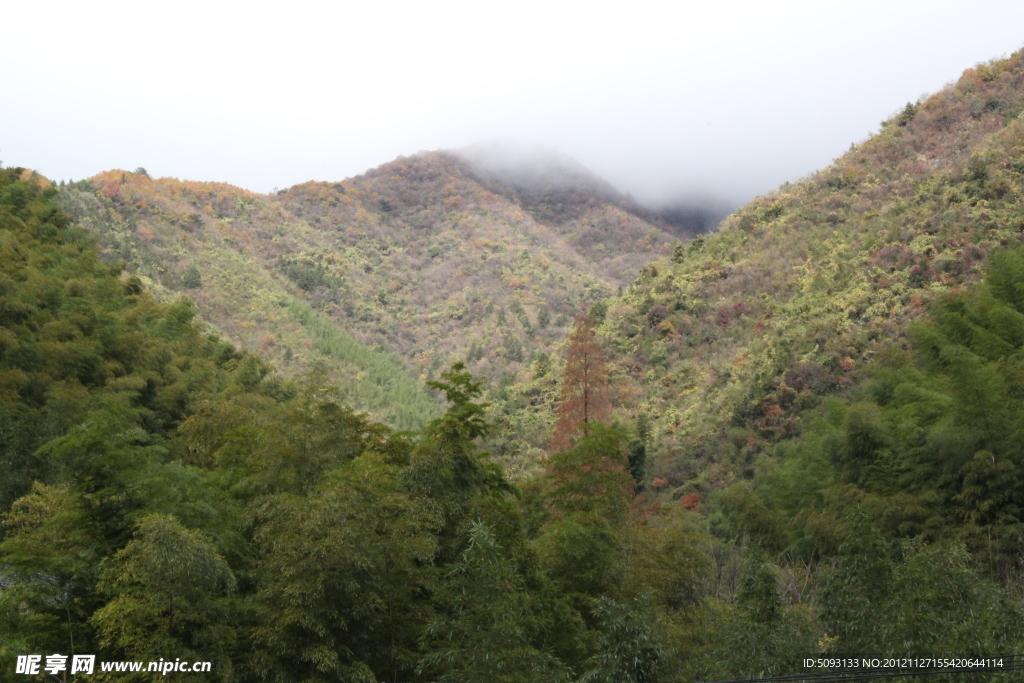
(585,396)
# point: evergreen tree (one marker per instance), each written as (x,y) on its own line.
(513,348)
(339,577)
(678,252)
(446,467)
(628,651)
(488,624)
(191,278)
(589,496)
(581,554)
(543,318)
(169,587)
(637,460)
(592,476)
(541,365)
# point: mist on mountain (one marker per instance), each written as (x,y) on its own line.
(800,433)
(691,215)
(532,169)
(536,172)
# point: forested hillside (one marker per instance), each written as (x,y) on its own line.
(434,258)
(173,250)
(722,347)
(172,498)
(798,436)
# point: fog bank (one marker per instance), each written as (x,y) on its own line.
(724,100)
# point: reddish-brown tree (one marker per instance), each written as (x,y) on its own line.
(585,393)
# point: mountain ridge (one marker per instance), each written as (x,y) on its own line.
(415,257)
(815,444)
(724,345)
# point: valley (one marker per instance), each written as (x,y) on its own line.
(390,277)
(477,415)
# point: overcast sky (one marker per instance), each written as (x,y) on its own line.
(663,99)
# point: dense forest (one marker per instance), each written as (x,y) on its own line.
(797,436)
(172,495)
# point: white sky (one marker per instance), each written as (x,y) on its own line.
(661,98)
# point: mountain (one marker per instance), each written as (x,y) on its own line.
(480,255)
(169,234)
(814,448)
(486,254)
(722,347)
(550,184)
(164,491)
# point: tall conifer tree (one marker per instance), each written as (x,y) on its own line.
(585,391)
